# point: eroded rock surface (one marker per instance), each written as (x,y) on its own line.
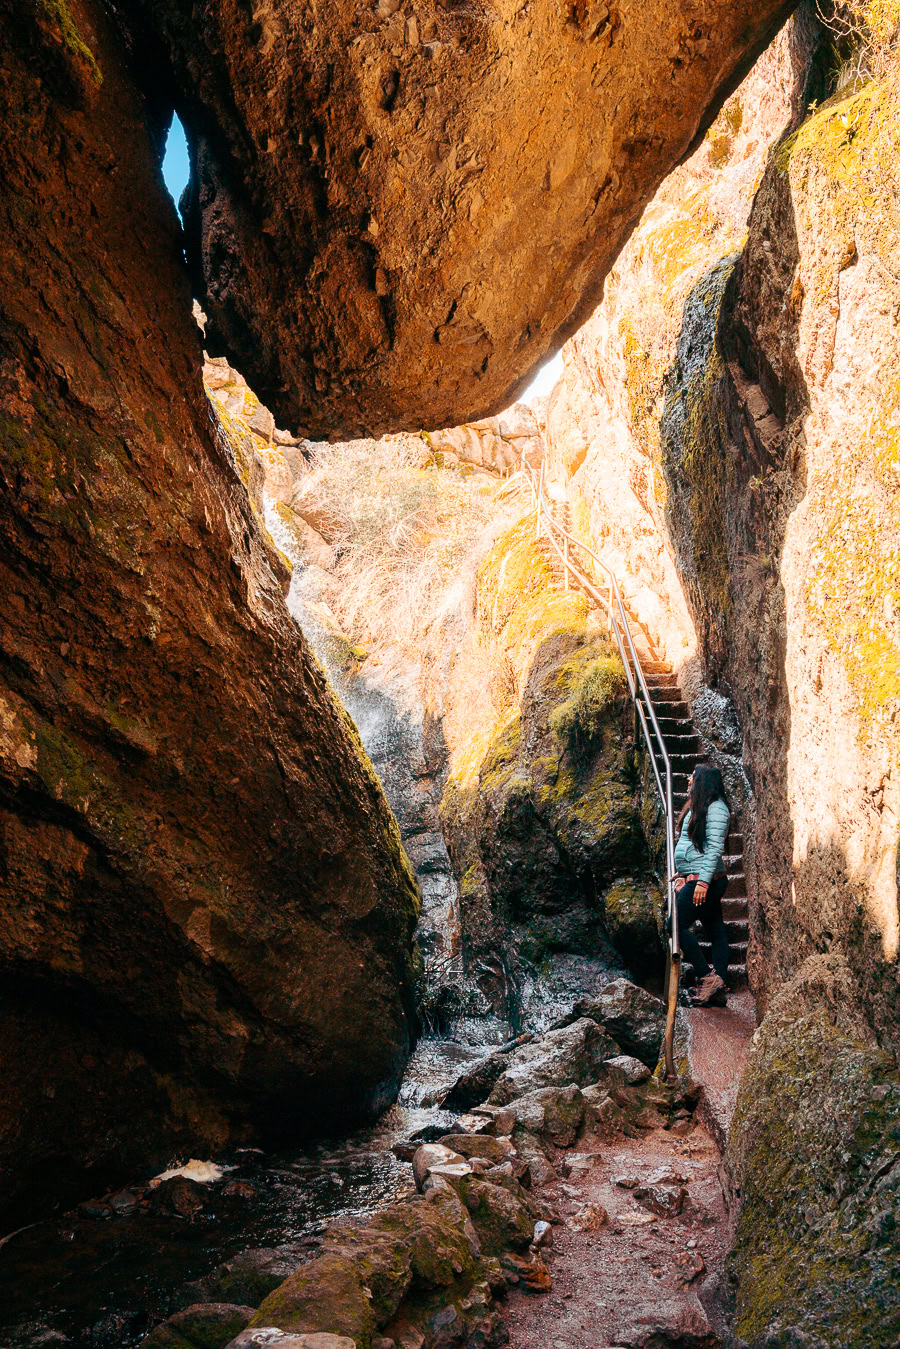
(398,210)
(814,1152)
(205,910)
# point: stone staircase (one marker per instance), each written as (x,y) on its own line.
(685,751)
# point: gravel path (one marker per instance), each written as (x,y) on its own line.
(640,1279)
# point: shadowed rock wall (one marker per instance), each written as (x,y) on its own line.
(398,210)
(205,910)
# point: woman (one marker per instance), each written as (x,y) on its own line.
(701,881)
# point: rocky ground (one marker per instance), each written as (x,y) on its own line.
(575,1202)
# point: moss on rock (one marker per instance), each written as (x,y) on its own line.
(632,912)
(540,815)
(815,1153)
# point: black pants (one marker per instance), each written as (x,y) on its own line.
(709,914)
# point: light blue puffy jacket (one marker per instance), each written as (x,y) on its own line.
(689,861)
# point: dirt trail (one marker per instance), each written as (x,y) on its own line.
(636,1281)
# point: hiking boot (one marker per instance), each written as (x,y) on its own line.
(710,987)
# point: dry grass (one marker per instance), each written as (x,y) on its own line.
(401,525)
(868,31)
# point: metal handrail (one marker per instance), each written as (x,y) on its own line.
(640,695)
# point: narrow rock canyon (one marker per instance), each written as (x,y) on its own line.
(333,874)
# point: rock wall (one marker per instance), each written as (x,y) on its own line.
(495,698)
(733,402)
(205,910)
(541,806)
(374,184)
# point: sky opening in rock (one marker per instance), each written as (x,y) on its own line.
(544,380)
(176,166)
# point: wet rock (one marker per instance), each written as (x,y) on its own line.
(183,1197)
(246,1279)
(210,1325)
(95,1208)
(270,1335)
(123,1201)
(634,1018)
(667,1201)
(571,1054)
(238,1189)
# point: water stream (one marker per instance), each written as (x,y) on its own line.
(102,1282)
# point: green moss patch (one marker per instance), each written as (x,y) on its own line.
(815,1150)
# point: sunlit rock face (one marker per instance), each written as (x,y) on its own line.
(205,909)
(399,209)
(782,424)
(726,427)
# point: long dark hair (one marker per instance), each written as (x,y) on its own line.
(706,786)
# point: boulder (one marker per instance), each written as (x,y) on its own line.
(634,1018)
(247,1278)
(554,1113)
(365,1270)
(205,907)
(394,217)
(494,1150)
(209,1325)
(430,1155)
(270,1335)
(475,1084)
(531,1150)
(503,1216)
(626,1071)
(571,1054)
(631,915)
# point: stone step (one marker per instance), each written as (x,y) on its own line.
(672,724)
(734,908)
(661,681)
(668,694)
(683,744)
(682,764)
(670,712)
